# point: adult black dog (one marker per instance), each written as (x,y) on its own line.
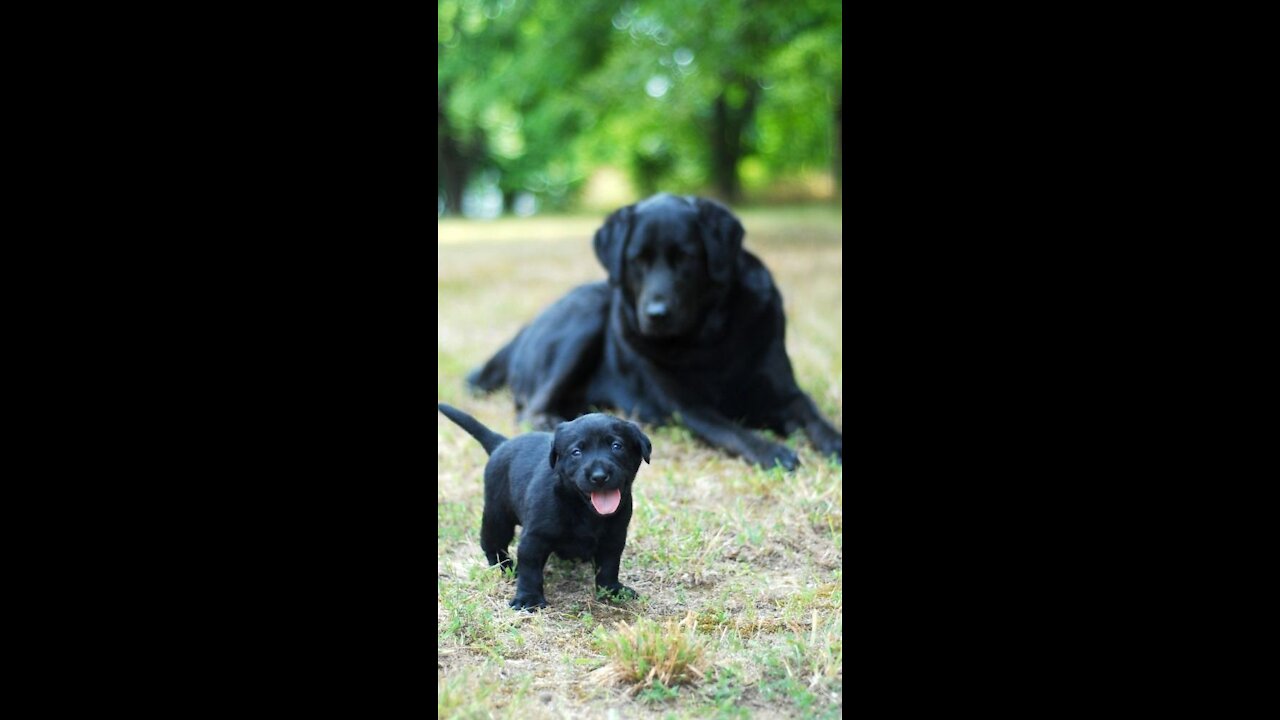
(689,324)
(571,493)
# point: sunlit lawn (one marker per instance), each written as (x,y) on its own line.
(750,560)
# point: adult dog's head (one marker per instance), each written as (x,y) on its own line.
(673,257)
(597,456)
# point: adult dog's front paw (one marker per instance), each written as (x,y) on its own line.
(777,455)
(830,444)
(616,591)
(528,601)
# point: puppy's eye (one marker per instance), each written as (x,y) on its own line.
(617,446)
(575,452)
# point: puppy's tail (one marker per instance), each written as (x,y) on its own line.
(488,438)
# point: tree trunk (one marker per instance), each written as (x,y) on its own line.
(452,163)
(724,172)
(728,129)
(839,147)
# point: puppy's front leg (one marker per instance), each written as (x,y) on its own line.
(532,556)
(608,559)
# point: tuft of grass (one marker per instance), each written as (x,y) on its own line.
(649,654)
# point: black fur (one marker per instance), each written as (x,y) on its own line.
(689,324)
(545,483)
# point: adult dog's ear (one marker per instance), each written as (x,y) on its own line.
(555,443)
(646,447)
(611,241)
(722,235)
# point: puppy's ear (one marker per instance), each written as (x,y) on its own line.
(611,241)
(555,443)
(722,235)
(646,447)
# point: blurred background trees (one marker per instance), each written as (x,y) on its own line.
(549,105)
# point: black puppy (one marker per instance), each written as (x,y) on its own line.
(689,325)
(571,492)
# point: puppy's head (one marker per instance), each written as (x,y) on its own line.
(673,257)
(596,456)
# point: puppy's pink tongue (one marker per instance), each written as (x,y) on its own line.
(606,501)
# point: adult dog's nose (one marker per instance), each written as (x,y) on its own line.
(656,309)
(599,477)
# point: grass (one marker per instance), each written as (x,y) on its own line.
(655,656)
(739,569)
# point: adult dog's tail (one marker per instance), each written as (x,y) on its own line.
(493,374)
(488,438)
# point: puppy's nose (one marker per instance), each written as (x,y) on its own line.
(656,309)
(599,477)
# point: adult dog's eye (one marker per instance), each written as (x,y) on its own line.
(575,452)
(617,446)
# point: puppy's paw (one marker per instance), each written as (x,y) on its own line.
(528,601)
(617,591)
(778,455)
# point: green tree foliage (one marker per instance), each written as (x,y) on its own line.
(534,93)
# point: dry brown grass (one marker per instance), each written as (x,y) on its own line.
(648,652)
